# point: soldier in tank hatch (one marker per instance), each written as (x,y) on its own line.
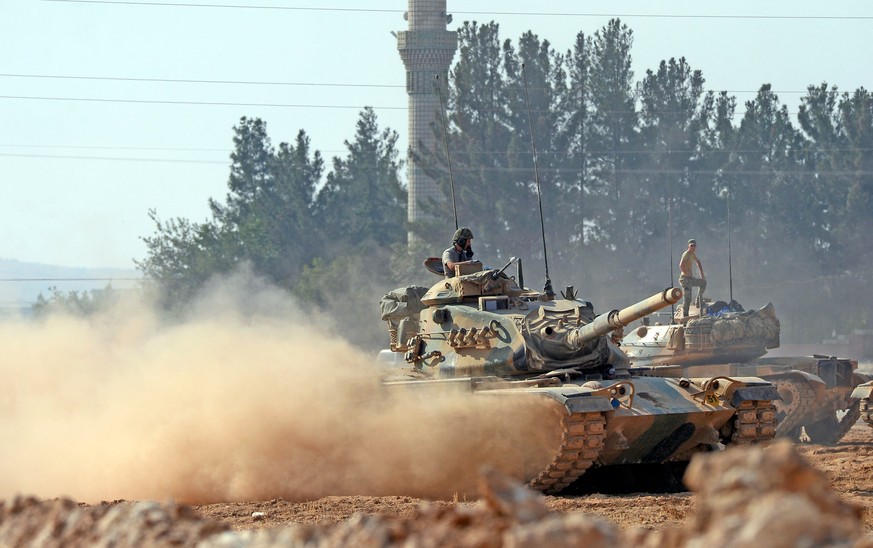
(461,251)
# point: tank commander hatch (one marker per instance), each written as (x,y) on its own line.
(461,251)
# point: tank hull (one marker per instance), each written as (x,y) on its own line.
(631,421)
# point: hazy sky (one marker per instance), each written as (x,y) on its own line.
(111,108)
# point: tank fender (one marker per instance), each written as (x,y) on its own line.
(581,402)
(754,393)
(861,378)
(743,389)
(863,391)
(798,375)
(814,381)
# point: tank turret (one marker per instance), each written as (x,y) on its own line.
(485,324)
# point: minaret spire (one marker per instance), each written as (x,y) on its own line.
(427,49)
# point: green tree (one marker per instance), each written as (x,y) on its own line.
(573,138)
(537,74)
(675,112)
(267,215)
(840,132)
(363,198)
(181,257)
(75,303)
(264,220)
(845,128)
(767,159)
(613,144)
(857,114)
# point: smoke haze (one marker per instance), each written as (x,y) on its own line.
(244,400)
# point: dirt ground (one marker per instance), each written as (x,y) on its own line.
(848,465)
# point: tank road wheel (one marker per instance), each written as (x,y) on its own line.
(797,401)
(754,422)
(829,430)
(581,440)
(867,411)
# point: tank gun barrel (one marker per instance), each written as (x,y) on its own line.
(615,319)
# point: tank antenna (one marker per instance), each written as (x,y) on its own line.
(730,266)
(446,141)
(670,237)
(548,286)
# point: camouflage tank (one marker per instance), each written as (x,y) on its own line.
(484,332)
(727,340)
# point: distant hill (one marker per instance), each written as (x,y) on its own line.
(21,283)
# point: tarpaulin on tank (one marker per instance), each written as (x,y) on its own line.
(403,302)
(549,334)
(759,326)
(501,284)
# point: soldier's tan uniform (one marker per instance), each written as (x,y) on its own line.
(686,277)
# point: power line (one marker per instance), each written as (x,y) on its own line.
(112,158)
(480,153)
(268,83)
(228,6)
(193,81)
(100,147)
(259,105)
(124,148)
(71,279)
(526,170)
(712,172)
(201,103)
(486,13)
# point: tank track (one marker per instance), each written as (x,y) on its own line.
(849,419)
(582,436)
(867,411)
(790,417)
(829,430)
(754,422)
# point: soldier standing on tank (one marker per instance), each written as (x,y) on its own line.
(461,251)
(686,275)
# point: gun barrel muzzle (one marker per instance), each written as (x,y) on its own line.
(615,319)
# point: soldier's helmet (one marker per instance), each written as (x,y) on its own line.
(462,233)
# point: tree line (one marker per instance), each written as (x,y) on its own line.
(627,171)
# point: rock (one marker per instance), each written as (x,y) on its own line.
(27,521)
(559,531)
(767,495)
(509,497)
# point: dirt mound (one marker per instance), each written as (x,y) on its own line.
(769,496)
(27,521)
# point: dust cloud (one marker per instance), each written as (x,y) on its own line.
(246,399)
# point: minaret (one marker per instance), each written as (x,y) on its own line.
(427,49)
